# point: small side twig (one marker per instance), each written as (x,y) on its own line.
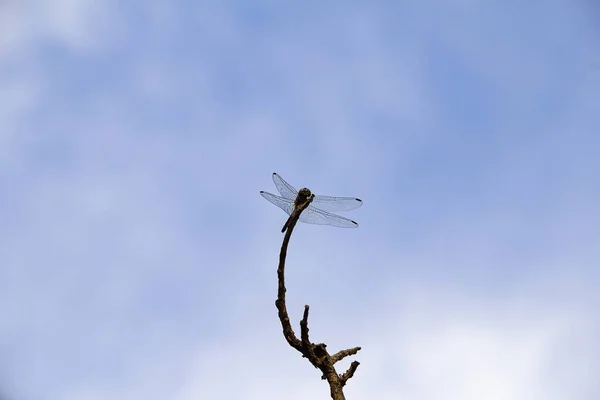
(306,345)
(344,353)
(349,373)
(316,353)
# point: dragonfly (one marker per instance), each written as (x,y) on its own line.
(319,211)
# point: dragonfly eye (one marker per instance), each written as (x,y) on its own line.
(304,192)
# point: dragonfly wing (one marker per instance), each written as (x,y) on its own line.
(286,190)
(336,204)
(315,216)
(286,205)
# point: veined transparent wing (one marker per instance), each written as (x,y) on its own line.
(315,216)
(286,205)
(286,190)
(336,204)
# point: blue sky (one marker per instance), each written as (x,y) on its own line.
(138,258)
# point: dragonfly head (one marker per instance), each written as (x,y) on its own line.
(304,192)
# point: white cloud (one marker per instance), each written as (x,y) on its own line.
(27,27)
(444,346)
(75,24)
